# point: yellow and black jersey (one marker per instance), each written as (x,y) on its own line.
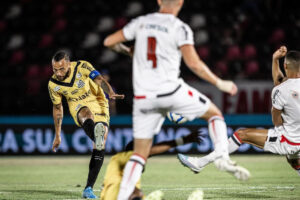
(80,91)
(113,175)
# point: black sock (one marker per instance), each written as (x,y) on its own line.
(88,126)
(96,162)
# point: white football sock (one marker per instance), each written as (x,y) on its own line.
(218,134)
(234,142)
(132,173)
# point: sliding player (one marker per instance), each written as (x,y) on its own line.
(284,138)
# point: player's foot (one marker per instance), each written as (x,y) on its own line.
(231,167)
(190,162)
(99,132)
(88,193)
(156,195)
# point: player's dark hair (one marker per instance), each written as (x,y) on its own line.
(60,55)
(293,55)
(292,59)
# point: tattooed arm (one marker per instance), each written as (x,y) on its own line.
(57,116)
(107,88)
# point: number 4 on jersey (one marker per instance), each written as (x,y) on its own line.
(151,51)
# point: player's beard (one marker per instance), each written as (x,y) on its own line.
(66,76)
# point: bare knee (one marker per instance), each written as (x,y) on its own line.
(212,112)
(84,114)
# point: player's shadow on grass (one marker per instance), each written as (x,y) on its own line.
(50,192)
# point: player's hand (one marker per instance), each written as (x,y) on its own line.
(115,96)
(131,51)
(279,53)
(56,143)
(227,86)
(193,137)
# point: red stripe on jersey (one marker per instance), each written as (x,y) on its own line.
(284,139)
(140,97)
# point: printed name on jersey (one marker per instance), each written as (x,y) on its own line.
(80,84)
(57,88)
(81,97)
(84,65)
(79,75)
(157,27)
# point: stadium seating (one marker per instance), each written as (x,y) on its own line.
(233,37)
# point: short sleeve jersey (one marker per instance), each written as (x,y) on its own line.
(157,57)
(286,97)
(78,88)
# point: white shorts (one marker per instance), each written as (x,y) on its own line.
(149,113)
(277,143)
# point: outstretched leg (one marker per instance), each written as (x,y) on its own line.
(97,133)
(218,134)
(256,137)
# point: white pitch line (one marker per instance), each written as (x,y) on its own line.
(232,188)
(209,188)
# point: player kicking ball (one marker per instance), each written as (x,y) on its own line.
(83,87)
(284,138)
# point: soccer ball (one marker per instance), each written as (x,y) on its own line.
(176,118)
(196,195)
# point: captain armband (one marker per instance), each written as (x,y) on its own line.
(94,74)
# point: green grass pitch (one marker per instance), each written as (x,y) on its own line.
(50,177)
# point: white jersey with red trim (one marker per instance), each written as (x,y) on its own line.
(286,97)
(157,55)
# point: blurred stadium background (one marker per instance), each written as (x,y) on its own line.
(235,38)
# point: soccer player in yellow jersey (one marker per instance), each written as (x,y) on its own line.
(116,165)
(83,87)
